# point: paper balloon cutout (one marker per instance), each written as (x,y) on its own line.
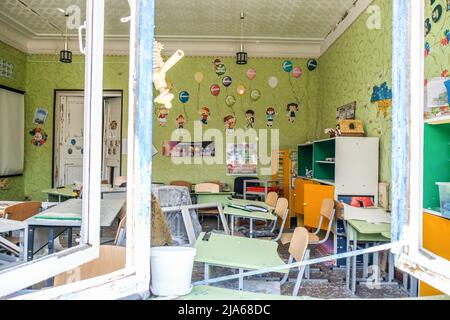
(255,95)
(230,101)
(199,77)
(287,66)
(273,82)
(241,90)
(251,74)
(312,64)
(215,90)
(297,72)
(227,81)
(221,69)
(184,96)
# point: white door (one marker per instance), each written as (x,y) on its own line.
(112,138)
(69,154)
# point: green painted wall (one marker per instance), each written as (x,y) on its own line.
(19,59)
(358,61)
(182,76)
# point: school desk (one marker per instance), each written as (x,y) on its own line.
(7,226)
(62,193)
(206,197)
(363,231)
(237,253)
(251,215)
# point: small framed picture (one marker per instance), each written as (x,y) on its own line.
(347,112)
(40,116)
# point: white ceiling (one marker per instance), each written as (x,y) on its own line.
(302,21)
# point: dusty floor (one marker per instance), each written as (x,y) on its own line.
(332,285)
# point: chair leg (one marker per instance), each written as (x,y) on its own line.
(286,276)
(298,282)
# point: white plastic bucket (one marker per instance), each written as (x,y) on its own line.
(171,270)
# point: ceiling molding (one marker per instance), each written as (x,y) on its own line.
(353,14)
(21,39)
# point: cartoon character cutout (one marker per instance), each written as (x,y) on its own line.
(230,123)
(181,121)
(250,116)
(162,117)
(205,114)
(292,108)
(270,116)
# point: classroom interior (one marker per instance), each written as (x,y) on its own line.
(271,143)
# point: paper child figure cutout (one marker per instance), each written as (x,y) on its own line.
(205,114)
(162,117)
(181,120)
(230,123)
(250,115)
(270,116)
(292,108)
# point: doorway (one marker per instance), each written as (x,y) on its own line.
(69,135)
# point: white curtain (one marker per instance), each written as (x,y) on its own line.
(12,127)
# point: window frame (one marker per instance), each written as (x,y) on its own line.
(408,143)
(135,277)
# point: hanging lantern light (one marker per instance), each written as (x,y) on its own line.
(241,56)
(65,56)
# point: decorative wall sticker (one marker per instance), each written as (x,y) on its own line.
(427,49)
(230,101)
(382,95)
(250,116)
(255,95)
(216,63)
(242,90)
(181,121)
(199,77)
(437,13)
(184,98)
(227,81)
(215,90)
(162,117)
(70,151)
(297,72)
(448,5)
(113,125)
(6,69)
(444,73)
(312,64)
(427,26)
(5,184)
(292,108)
(230,123)
(39,137)
(273,82)
(205,114)
(251,74)
(270,116)
(446,38)
(221,69)
(73,142)
(287,66)
(40,116)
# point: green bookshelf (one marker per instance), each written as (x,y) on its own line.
(305,159)
(436,163)
(324,170)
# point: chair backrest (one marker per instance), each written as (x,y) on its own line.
(182,184)
(121,230)
(207,187)
(112,258)
(119,181)
(22,211)
(239,184)
(299,243)
(327,208)
(281,207)
(271,199)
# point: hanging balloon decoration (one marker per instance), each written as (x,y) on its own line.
(312,64)
(273,83)
(230,101)
(242,90)
(199,77)
(297,72)
(184,98)
(251,74)
(221,69)
(227,82)
(288,67)
(215,91)
(255,95)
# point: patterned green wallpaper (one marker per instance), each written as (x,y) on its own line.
(358,61)
(437,48)
(16,189)
(291,134)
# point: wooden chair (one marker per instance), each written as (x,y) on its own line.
(111,258)
(326,212)
(121,232)
(208,188)
(22,211)
(182,184)
(282,211)
(119,181)
(271,199)
(298,250)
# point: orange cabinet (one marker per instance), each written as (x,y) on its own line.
(314,194)
(299,195)
(436,238)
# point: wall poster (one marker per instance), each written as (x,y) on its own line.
(242,159)
(178,149)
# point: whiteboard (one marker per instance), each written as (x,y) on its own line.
(12,131)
